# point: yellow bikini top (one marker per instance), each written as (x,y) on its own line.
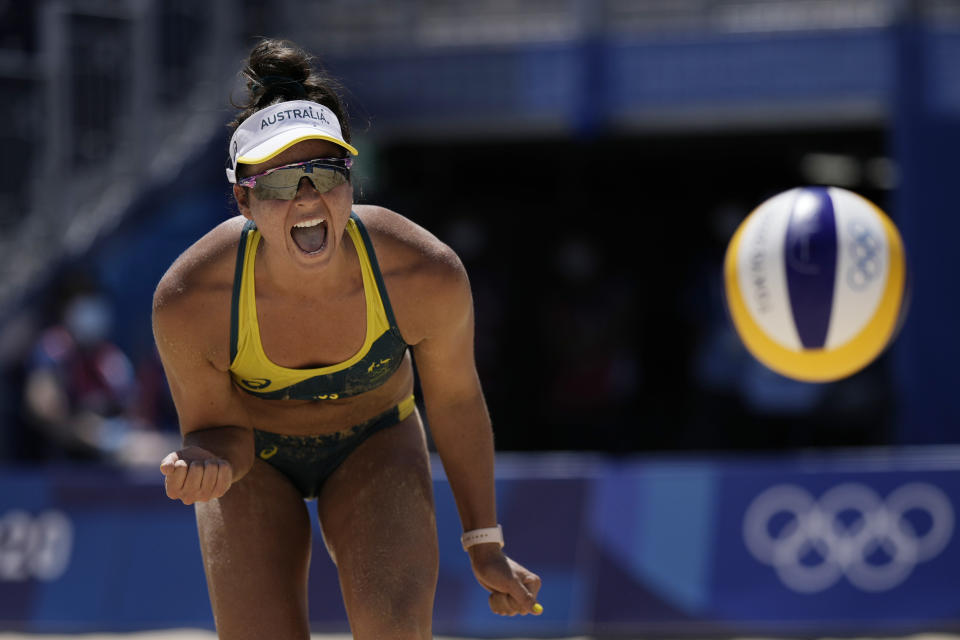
(379,357)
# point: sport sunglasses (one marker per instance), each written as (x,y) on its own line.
(281,183)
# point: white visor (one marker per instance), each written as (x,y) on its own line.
(269,131)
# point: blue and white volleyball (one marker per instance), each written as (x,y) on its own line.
(816,283)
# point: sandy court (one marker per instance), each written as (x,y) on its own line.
(195,634)
(191,634)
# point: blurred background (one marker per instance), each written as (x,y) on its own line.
(589,161)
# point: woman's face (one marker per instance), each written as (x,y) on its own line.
(309,228)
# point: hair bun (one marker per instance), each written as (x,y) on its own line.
(279,70)
(278,84)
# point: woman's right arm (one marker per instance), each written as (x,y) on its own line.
(217,441)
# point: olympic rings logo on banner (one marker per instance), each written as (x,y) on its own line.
(849,532)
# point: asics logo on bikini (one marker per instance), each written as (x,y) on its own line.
(849,532)
(266,454)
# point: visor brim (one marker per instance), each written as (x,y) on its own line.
(286,139)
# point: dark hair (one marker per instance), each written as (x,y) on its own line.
(279,70)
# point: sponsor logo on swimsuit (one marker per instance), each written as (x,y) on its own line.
(377,365)
(266,454)
(294,114)
(327,396)
(256,383)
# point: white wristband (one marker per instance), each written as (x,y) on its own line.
(479,536)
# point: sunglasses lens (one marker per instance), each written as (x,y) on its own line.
(326,179)
(271,193)
(283,183)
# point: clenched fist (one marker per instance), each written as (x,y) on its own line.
(513,588)
(194,474)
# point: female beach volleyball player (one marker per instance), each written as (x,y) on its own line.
(286,334)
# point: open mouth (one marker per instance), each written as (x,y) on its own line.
(310,235)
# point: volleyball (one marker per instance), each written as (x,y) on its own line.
(815,282)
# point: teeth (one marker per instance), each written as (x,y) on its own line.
(309,223)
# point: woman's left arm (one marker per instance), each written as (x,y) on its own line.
(461,430)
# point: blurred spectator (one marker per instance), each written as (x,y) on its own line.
(81,392)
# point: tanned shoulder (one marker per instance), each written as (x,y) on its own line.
(425,278)
(407,245)
(191,303)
